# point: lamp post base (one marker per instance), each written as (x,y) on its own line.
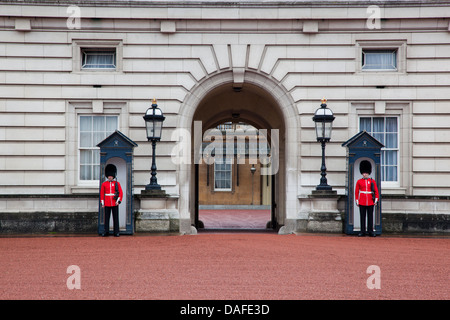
(150,187)
(323,193)
(321,187)
(154,192)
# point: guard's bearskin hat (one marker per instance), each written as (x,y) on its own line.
(110,170)
(365,167)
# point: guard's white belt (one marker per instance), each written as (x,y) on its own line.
(366,192)
(109,194)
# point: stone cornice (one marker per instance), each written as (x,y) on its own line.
(232,3)
(227,10)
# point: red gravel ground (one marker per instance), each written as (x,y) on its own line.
(226,266)
(234,219)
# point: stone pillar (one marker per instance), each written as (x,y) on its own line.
(158,212)
(324,215)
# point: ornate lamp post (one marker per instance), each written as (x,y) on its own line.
(323,119)
(154,119)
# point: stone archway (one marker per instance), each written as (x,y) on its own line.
(269,106)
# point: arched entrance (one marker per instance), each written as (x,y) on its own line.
(234,179)
(260,102)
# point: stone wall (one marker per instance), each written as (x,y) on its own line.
(48,214)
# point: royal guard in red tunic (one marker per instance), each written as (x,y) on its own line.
(366,195)
(111,196)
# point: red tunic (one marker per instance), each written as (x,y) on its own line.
(107,191)
(363,192)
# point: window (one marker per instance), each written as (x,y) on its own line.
(93,55)
(98,58)
(379,59)
(385,130)
(380,55)
(93,130)
(222,175)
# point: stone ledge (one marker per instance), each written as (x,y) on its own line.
(50,196)
(422,223)
(392,223)
(48,222)
(158,220)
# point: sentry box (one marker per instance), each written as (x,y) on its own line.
(361,147)
(117,149)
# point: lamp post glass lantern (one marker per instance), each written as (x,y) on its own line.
(154,119)
(323,119)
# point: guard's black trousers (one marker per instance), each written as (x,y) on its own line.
(115,214)
(363,211)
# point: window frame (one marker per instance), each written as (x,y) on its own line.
(366,51)
(378,45)
(95,180)
(78,46)
(230,163)
(386,183)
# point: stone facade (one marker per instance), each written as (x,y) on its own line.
(268,61)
